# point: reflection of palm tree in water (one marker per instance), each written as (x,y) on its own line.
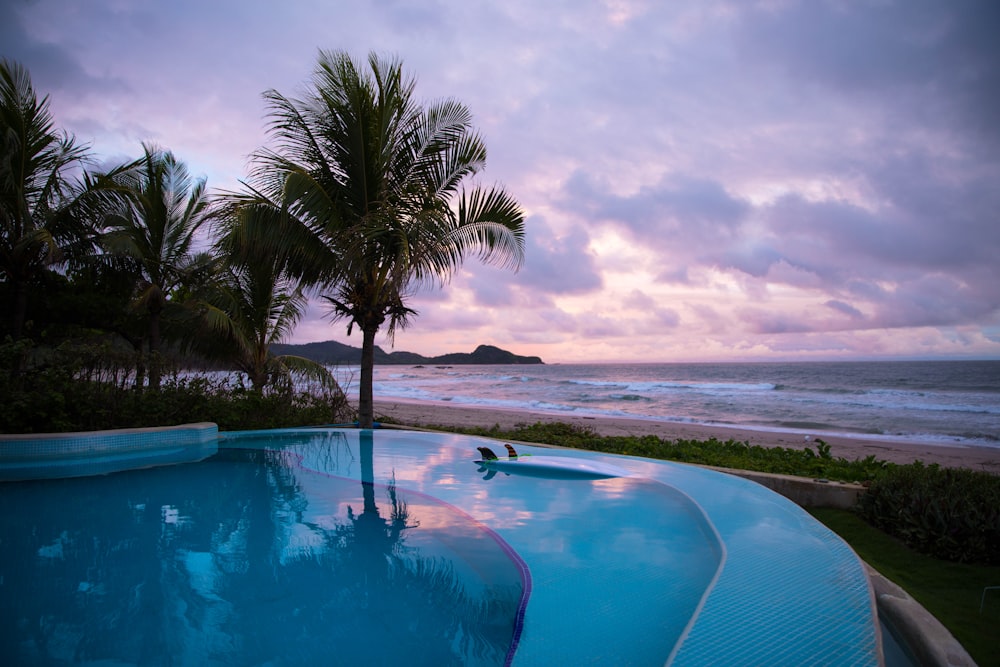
(413,595)
(377,538)
(245,572)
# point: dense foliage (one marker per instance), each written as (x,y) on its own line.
(952,514)
(81,388)
(361,196)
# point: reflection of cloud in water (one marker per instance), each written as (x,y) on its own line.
(612,487)
(298,540)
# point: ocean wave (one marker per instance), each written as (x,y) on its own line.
(820,390)
(630,397)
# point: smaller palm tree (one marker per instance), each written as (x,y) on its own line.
(254,305)
(153,236)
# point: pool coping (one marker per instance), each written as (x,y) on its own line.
(930,642)
(81,453)
(85,442)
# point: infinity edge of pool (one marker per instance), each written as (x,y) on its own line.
(786,589)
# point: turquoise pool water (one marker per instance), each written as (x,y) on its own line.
(329,546)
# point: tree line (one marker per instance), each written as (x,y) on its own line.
(361,195)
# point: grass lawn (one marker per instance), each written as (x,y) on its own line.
(950,591)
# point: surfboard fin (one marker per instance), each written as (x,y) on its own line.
(487,453)
(511,452)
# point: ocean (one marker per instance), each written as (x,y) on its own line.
(938,402)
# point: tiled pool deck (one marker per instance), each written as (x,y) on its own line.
(789,591)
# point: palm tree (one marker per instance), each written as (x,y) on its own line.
(45,215)
(153,237)
(255,305)
(366,179)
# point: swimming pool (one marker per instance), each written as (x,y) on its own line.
(310,545)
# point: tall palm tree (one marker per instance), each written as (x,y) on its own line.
(255,305)
(153,237)
(48,207)
(367,180)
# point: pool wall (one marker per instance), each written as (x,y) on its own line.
(51,455)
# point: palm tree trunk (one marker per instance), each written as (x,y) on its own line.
(154,349)
(20,289)
(366,405)
(367,444)
(140,359)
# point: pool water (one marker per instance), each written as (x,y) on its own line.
(329,546)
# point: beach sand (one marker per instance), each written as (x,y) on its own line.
(427,414)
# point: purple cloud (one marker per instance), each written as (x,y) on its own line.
(794,177)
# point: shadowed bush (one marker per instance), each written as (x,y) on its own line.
(952,514)
(84,388)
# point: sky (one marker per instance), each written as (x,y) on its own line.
(702,180)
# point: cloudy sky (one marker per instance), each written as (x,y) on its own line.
(703,179)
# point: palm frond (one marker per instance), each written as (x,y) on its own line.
(309,369)
(492,222)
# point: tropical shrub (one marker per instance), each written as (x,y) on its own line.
(952,514)
(84,388)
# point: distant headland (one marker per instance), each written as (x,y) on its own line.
(331,353)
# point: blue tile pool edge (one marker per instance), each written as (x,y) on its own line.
(77,454)
(722,557)
(833,574)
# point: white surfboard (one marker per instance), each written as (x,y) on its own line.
(557,467)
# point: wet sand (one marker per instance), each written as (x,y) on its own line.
(427,414)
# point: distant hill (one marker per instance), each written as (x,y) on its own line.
(332,353)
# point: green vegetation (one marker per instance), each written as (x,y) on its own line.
(952,592)
(80,388)
(361,197)
(728,454)
(149,237)
(107,261)
(947,513)
(46,216)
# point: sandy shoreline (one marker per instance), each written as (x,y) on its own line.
(424,414)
